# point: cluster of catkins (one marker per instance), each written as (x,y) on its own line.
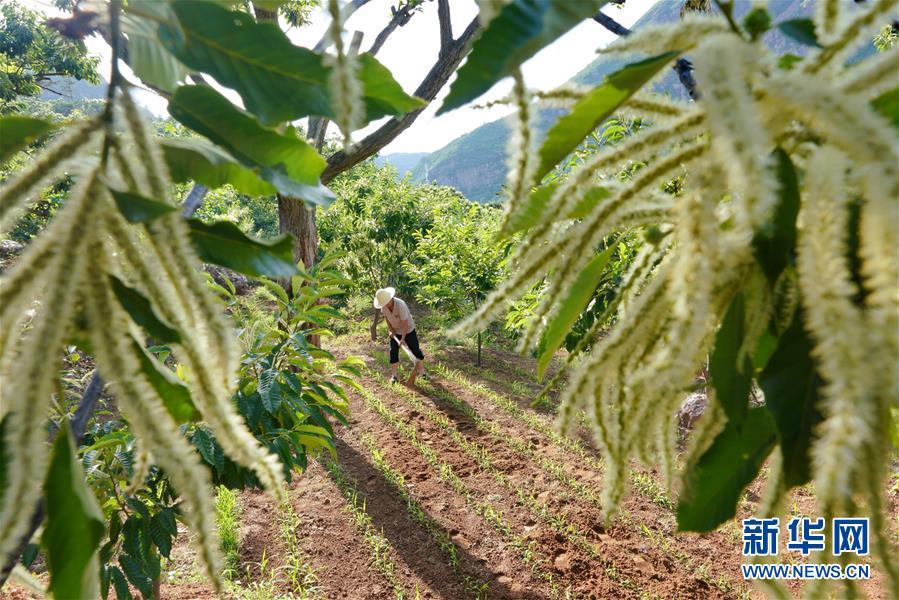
(61,287)
(700,255)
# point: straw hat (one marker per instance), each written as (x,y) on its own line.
(383,296)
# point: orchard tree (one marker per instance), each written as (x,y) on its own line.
(31,53)
(458,260)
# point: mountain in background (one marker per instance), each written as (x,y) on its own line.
(69,88)
(475,163)
(401,161)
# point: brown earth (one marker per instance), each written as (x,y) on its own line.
(519,530)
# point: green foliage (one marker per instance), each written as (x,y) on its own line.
(250,57)
(373,223)
(31,52)
(792,388)
(458,260)
(224,244)
(289,389)
(730,366)
(801,30)
(520,30)
(227,520)
(17,132)
(729,465)
(141,311)
(594,108)
(282,159)
(74,524)
(570,310)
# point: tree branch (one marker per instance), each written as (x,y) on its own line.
(400,17)
(427,90)
(611,24)
(446,26)
(683,67)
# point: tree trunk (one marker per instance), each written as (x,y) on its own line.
(298,220)
(479,349)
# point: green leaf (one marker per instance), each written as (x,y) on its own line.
(887,104)
(520,30)
(579,296)
(136,575)
(141,311)
(282,159)
(174,394)
(731,379)
(529,214)
(801,30)
(204,444)
(122,591)
(17,132)
(276,80)
(138,209)
(160,534)
(787,61)
(224,244)
(727,467)
(775,242)
(195,159)
(75,524)
(792,389)
(596,107)
(147,57)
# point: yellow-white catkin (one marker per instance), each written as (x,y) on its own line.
(147,416)
(211,356)
(563,96)
(872,76)
(654,106)
(827,19)
(656,39)
(520,156)
(27,386)
(639,147)
(692,280)
(346,92)
(143,460)
(576,249)
(45,167)
(724,63)
(857,31)
(151,160)
(844,119)
(850,408)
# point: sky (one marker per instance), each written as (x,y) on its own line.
(411,51)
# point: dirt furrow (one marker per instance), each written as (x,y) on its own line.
(647,512)
(580,557)
(336,547)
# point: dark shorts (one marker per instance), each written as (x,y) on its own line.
(411,340)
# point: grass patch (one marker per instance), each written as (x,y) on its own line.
(227,519)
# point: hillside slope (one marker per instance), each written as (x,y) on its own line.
(475,162)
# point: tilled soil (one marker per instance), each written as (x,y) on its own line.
(517,528)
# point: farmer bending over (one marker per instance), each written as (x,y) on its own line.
(402,332)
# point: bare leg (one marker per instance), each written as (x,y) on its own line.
(417,370)
(393,367)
